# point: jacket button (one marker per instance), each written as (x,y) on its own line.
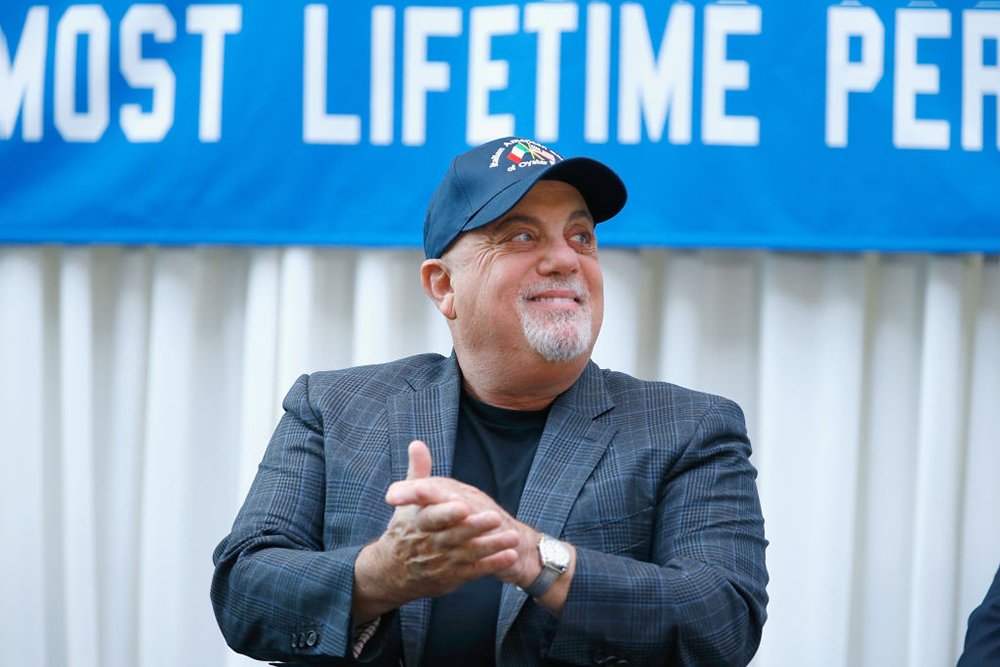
(311,638)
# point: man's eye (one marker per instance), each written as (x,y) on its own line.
(522,236)
(585,238)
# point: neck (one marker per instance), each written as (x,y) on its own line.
(502,383)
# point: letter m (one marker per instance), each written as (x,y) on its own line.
(651,83)
(22,78)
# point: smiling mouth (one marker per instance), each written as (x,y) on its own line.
(555,303)
(554,299)
(555,294)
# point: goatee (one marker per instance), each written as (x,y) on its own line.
(557,336)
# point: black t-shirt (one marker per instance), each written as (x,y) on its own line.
(494,448)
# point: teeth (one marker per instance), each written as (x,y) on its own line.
(554,299)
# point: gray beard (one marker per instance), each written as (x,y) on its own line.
(559,336)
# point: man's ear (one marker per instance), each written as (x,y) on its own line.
(436,278)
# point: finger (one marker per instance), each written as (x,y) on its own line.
(484,521)
(477,534)
(493,542)
(430,490)
(496,563)
(425,491)
(420,461)
(441,516)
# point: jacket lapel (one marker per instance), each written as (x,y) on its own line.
(571,446)
(428,413)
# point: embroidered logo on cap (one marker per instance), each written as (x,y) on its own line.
(518,152)
(524,153)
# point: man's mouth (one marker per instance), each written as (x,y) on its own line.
(555,299)
(555,296)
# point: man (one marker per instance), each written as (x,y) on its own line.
(982,636)
(512,504)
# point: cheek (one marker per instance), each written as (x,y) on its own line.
(485,298)
(595,281)
(597,314)
(497,282)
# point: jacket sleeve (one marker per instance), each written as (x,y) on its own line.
(701,598)
(277,594)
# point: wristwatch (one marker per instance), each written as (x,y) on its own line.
(555,559)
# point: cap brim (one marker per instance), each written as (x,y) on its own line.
(601,188)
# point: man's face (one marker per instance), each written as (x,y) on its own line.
(530,278)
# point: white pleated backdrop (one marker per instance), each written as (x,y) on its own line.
(138,388)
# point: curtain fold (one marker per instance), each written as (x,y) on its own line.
(139,386)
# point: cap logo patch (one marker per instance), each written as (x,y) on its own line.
(518,152)
(524,153)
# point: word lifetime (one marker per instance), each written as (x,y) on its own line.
(655,82)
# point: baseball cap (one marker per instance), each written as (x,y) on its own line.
(485,182)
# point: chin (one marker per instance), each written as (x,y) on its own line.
(561,350)
(559,338)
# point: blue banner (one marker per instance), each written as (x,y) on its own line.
(797,125)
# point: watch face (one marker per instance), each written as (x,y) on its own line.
(554,553)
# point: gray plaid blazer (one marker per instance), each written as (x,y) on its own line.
(649,481)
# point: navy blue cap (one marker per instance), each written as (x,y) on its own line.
(487,181)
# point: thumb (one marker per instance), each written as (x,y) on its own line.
(420,461)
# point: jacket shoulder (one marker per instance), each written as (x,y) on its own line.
(630,394)
(365,387)
(398,372)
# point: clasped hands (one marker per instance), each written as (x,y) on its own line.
(442,534)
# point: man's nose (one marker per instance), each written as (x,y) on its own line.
(559,258)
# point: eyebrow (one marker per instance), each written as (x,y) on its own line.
(521,217)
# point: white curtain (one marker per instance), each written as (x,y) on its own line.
(138,388)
